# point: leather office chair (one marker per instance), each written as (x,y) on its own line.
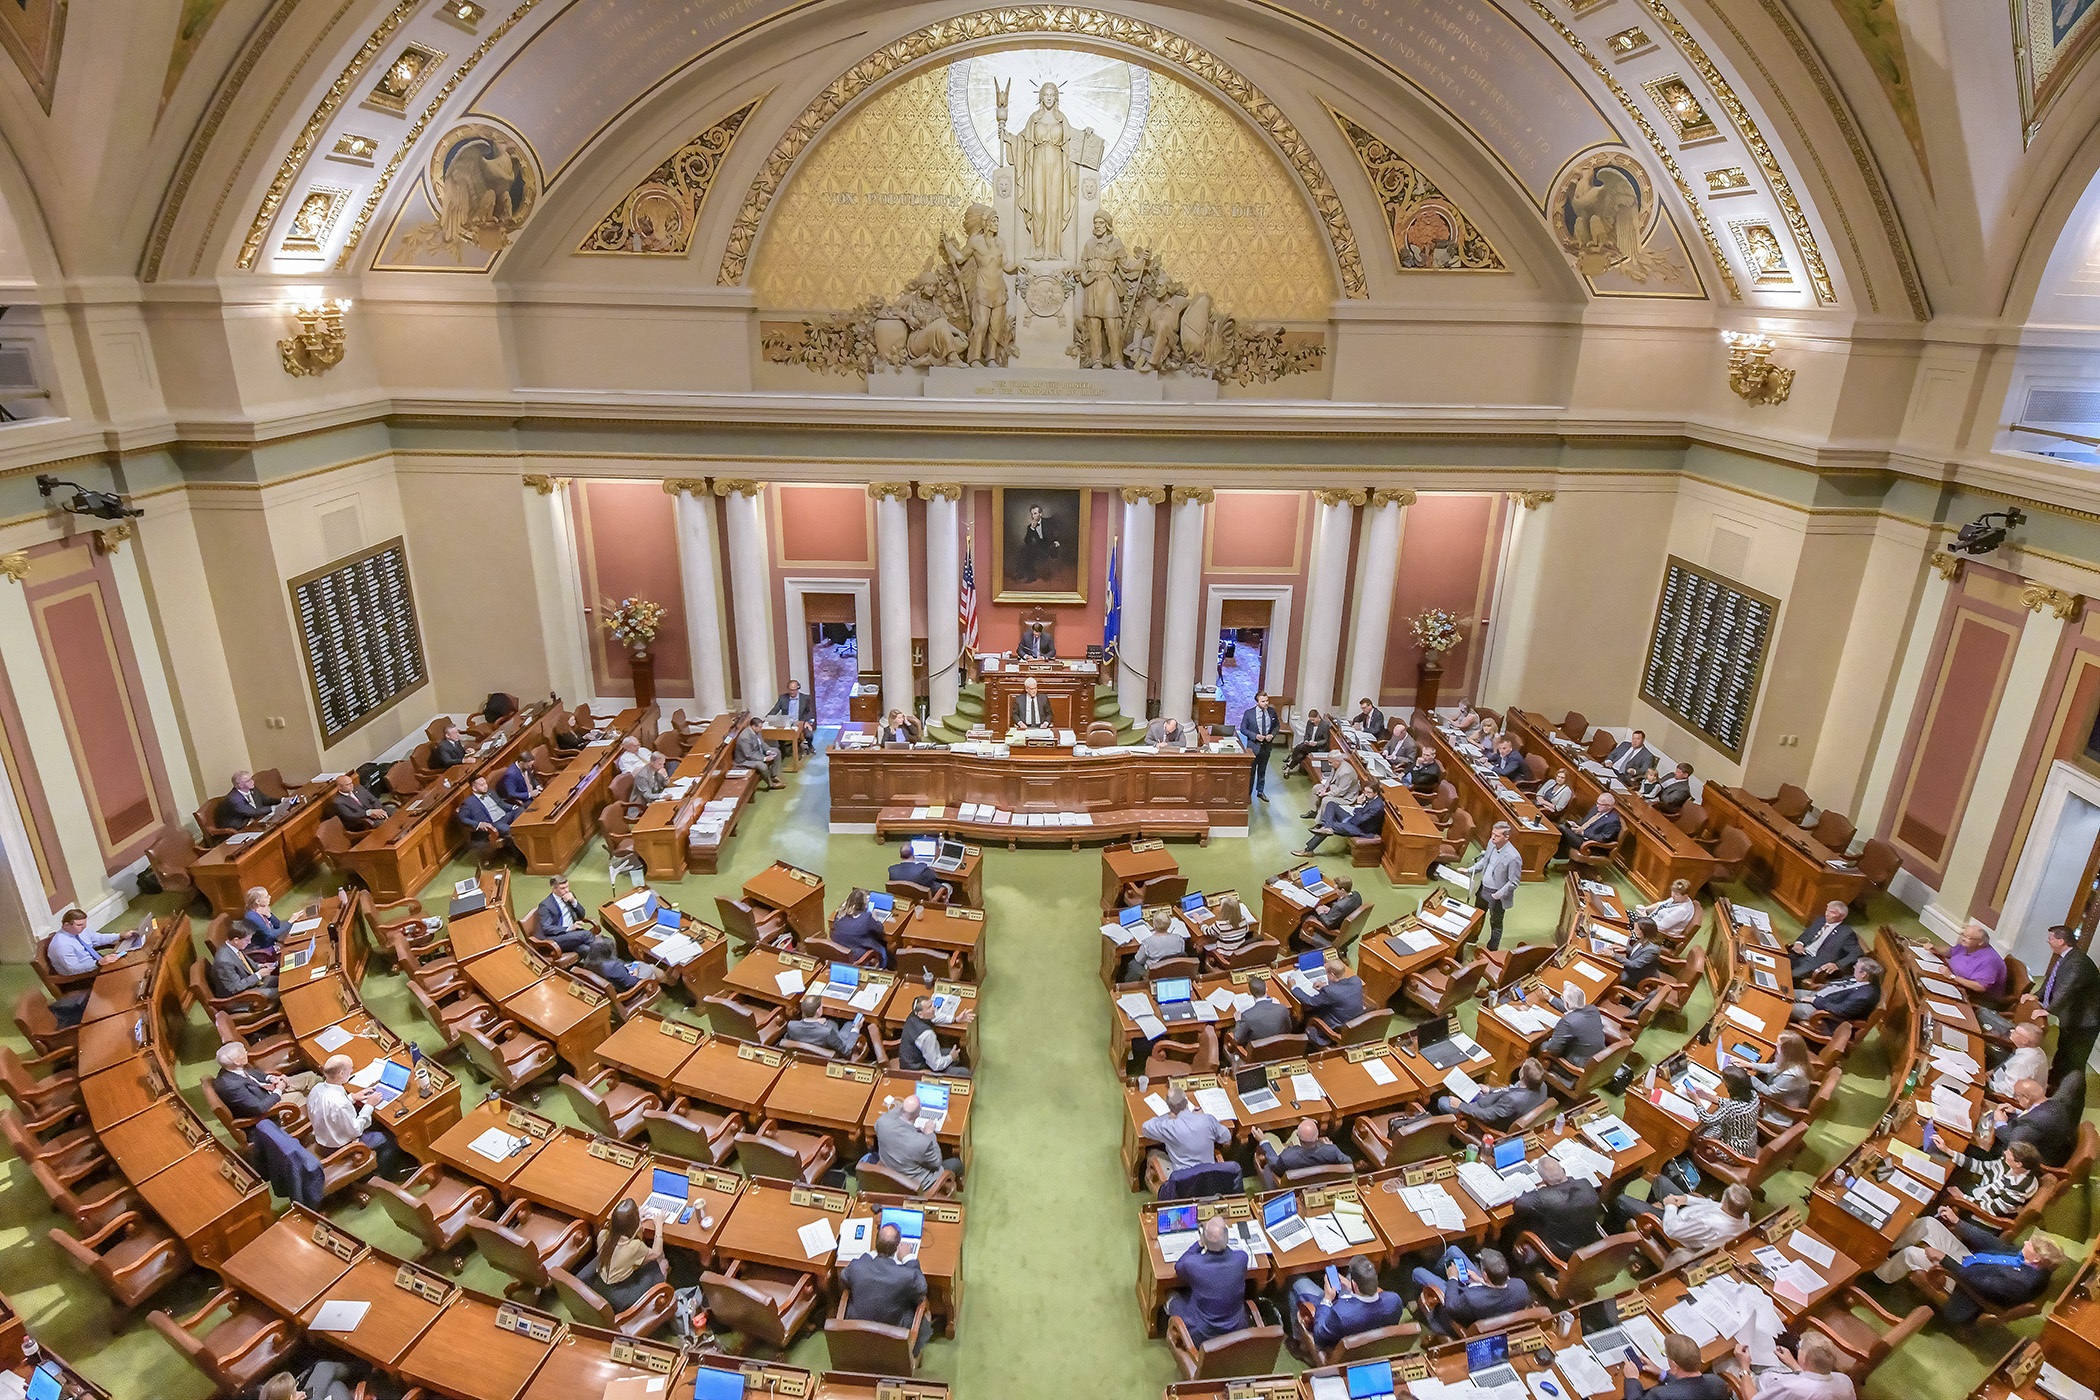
(1273,1180)
(544,764)
(1457,837)
(1691,818)
(271,784)
(1191,1049)
(90,1208)
(692,1131)
(1591,857)
(1290,1045)
(207,819)
(644,1317)
(1939,1286)
(170,857)
(454,1016)
(752,926)
(1723,1162)
(1203,1181)
(34,1019)
(1444,804)
(1641,1005)
(911,892)
(251,1010)
(1861,1345)
(741,1020)
(419,758)
(1575,725)
(1731,850)
(527,1241)
(1826,1090)
(1790,802)
(1357,1346)
(1100,735)
(874,1177)
(1834,830)
(1257,951)
(765,1305)
(546,948)
(345,1169)
(1573,1084)
(1442,985)
(1251,1351)
(1396,1141)
(645,992)
(42,1101)
(671,745)
(1601,745)
(785,1155)
(1879,862)
(401,779)
(1373,1024)
(434,1205)
(608,1105)
(1508,966)
(272,1054)
(1576,1279)
(435,730)
(132,1258)
(827,949)
(615,834)
(512,1062)
(72,1157)
(917,964)
(335,847)
(1183,966)
(1471,1134)
(1506,1322)
(621,790)
(873,1348)
(249,1345)
(1828,1050)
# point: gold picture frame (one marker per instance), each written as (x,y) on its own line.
(2047,55)
(1042,576)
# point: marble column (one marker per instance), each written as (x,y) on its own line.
(943,596)
(1133,681)
(1327,593)
(893,577)
(1177,667)
(1377,566)
(1517,590)
(700,580)
(744,524)
(550,535)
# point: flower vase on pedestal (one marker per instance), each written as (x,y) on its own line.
(641,663)
(1428,676)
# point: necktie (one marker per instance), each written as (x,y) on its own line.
(2003,1261)
(2049,987)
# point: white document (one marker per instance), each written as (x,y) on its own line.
(1205,1011)
(857,1239)
(1461,1084)
(1290,891)
(1811,1248)
(1379,1073)
(2055,1383)
(1223,998)
(1120,936)
(1584,1372)
(1917,1163)
(495,1144)
(369,1075)
(1151,1027)
(1217,1103)
(1912,1187)
(305,925)
(1135,1004)
(1175,1243)
(1304,1086)
(868,998)
(1326,1234)
(789,982)
(1682,1107)
(1643,1333)
(1588,972)
(1157,1104)
(1753,1024)
(1485,1186)
(1932,984)
(1944,1011)
(1804,1279)
(1719,1309)
(1417,940)
(817,1239)
(1764,960)
(332,1039)
(338,1316)
(1335,1387)
(1873,1194)
(632,901)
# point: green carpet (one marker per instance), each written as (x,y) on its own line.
(1051,1251)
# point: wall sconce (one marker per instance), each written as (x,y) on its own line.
(1751,372)
(318,346)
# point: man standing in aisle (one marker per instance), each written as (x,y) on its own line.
(2071,991)
(1258,735)
(1497,869)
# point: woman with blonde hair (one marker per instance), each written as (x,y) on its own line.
(1788,1078)
(1231,927)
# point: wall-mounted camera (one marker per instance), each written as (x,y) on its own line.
(98,505)
(1980,536)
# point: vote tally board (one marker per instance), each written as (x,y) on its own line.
(1707,653)
(364,650)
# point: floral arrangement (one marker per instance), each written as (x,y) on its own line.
(634,621)
(1437,631)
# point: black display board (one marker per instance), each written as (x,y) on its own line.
(364,650)
(1707,653)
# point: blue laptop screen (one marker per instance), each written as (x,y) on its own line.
(1190,903)
(1172,1218)
(667,917)
(933,1097)
(1508,1152)
(1127,917)
(665,1182)
(652,904)
(710,1384)
(1311,962)
(43,1384)
(881,903)
(1488,1351)
(908,1222)
(1172,989)
(1279,1210)
(1369,1379)
(1310,876)
(844,975)
(394,1076)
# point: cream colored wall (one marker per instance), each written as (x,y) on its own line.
(262,658)
(477,595)
(1865,711)
(172,571)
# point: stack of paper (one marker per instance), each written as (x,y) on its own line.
(1484,1186)
(1305,1088)
(1445,920)
(1581,1161)
(790,982)
(1217,1103)
(495,1144)
(1176,1243)
(817,1239)
(1416,940)
(1379,1071)
(675,951)
(1291,892)
(1581,1369)
(1434,1206)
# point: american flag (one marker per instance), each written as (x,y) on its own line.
(968,607)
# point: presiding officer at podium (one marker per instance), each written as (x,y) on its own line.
(1031,710)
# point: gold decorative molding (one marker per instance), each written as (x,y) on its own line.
(318,345)
(1946,565)
(1341,495)
(738,485)
(1751,373)
(2039,597)
(683,485)
(110,539)
(1531,500)
(1160,46)
(1392,496)
(658,216)
(1415,209)
(1760,149)
(1156,495)
(15,565)
(1184,495)
(943,490)
(317,123)
(889,490)
(1662,152)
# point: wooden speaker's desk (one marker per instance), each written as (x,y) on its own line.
(275,855)
(1067,685)
(1792,864)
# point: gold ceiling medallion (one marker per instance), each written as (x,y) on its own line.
(1751,373)
(1763,257)
(402,79)
(1682,109)
(1728,180)
(1760,149)
(1430,233)
(1160,46)
(1629,42)
(462,14)
(354,149)
(659,215)
(2039,597)
(484,186)
(1603,211)
(314,221)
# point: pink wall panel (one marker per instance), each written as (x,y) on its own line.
(823,525)
(628,547)
(1449,545)
(1979,650)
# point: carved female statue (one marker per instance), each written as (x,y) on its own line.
(1046,187)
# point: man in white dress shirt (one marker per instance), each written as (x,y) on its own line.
(341,1115)
(631,755)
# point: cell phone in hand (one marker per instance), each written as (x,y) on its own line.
(1334,1278)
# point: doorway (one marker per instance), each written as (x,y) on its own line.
(1243,644)
(834,653)
(2059,865)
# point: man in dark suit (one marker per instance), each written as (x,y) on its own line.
(1369,718)
(1579,1035)
(1851,998)
(1499,1108)
(450,751)
(1426,776)
(1030,710)
(1212,1299)
(1566,1214)
(517,786)
(602,960)
(2048,1123)
(1305,1149)
(1686,1379)
(1491,1292)
(1365,819)
(2002,1274)
(1316,737)
(1334,1005)
(799,710)
(1257,729)
(1507,762)
(249,1092)
(1336,1313)
(1633,756)
(1321,926)
(1827,947)
(484,813)
(1644,955)
(915,872)
(1602,824)
(2071,991)
(563,921)
(1037,559)
(244,803)
(354,805)
(232,971)
(881,1288)
(1035,644)
(1265,1018)
(1666,795)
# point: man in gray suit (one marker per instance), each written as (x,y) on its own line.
(1579,1036)
(1498,1108)
(1341,785)
(1495,871)
(813,1027)
(1668,794)
(1030,710)
(1633,756)
(752,751)
(231,972)
(1265,1018)
(1170,733)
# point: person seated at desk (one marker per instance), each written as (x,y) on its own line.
(2004,1274)
(1318,928)
(1826,947)
(1186,1135)
(1334,1005)
(1030,709)
(245,803)
(1337,1313)
(1787,1079)
(326,1380)
(2049,1123)
(1369,718)
(1666,795)
(881,1288)
(232,971)
(497,708)
(2027,1061)
(919,1048)
(1266,1017)
(1998,1185)
(1168,732)
(269,929)
(1490,730)
(899,728)
(354,805)
(1305,1149)
(1579,1036)
(484,812)
(1316,737)
(1692,1223)
(602,960)
(1685,1379)
(1729,1118)
(1809,1372)
(1498,868)
(450,751)
(248,1092)
(1507,763)
(563,921)
(1674,913)
(624,1268)
(753,752)
(800,713)
(910,1150)
(1036,643)
(71,950)
(1851,999)
(1367,818)
(1975,964)
(1163,940)
(650,780)
(1631,757)
(1212,1299)
(1426,776)
(517,785)
(340,1117)
(1566,1214)
(1644,955)
(856,929)
(632,756)
(1230,927)
(1467,720)
(916,872)
(1402,748)
(1498,1109)
(813,1027)
(1602,824)
(1448,1304)
(1341,785)
(1554,794)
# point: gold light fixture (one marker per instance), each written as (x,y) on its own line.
(317,346)
(1751,372)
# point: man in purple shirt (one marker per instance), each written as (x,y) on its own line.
(1975,963)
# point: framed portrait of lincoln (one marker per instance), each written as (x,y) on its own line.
(1039,544)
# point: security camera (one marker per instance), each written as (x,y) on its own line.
(1981,537)
(101,505)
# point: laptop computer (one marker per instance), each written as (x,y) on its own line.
(1250,1078)
(1285,1227)
(1174,1218)
(842,981)
(882,905)
(668,919)
(1509,1152)
(910,1225)
(933,1105)
(393,1078)
(1190,903)
(1434,1044)
(1312,882)
(1602,1334)
(1487,1363)
(1129,917)
(292,962)
(669,1193)
(951,856)
(1370,1380)
(710,1384)
(925,848)
(44,1384)
(1173,995)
